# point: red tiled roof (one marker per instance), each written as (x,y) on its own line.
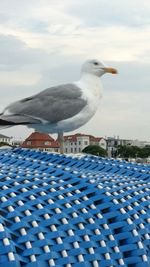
(40,140)
(39,136)
(96,139)
(73,138)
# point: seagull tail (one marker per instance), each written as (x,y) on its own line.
(15,119)
(6,124)
(7,121)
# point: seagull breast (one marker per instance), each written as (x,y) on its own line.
(92,89)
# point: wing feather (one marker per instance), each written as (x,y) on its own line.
(53,104)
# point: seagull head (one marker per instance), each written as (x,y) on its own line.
(97,68)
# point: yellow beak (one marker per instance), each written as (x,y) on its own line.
(110,70)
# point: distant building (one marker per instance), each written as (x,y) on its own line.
(100,141)
(140,144)
(77,142)
(16,142)
(113,143)
(5,139)
(41,141)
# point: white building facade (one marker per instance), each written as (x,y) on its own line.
(5,139)
(77,142)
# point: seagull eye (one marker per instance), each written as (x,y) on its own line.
(95,63)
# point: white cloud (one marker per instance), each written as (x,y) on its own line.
(18,78)
(45,42)
(130,13)
(118,43)
(123,114)
(53,26)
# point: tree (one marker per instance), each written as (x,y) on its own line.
(133,152)
(145,152)
(95,150)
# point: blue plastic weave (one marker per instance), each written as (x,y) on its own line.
(56,210)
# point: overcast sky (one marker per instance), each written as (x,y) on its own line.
(44,43)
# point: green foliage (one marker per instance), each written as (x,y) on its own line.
(133,152)
(95,150)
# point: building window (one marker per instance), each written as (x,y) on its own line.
(46,143)
(86,143)
(79,142)
(102,144)
(79,149)
(28,143)
(75,150)
(71,150)
(66,150)
(48,149)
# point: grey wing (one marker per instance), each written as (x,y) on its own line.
(53,104)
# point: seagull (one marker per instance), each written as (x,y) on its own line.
(61,108)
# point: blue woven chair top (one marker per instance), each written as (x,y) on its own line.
(64,211)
